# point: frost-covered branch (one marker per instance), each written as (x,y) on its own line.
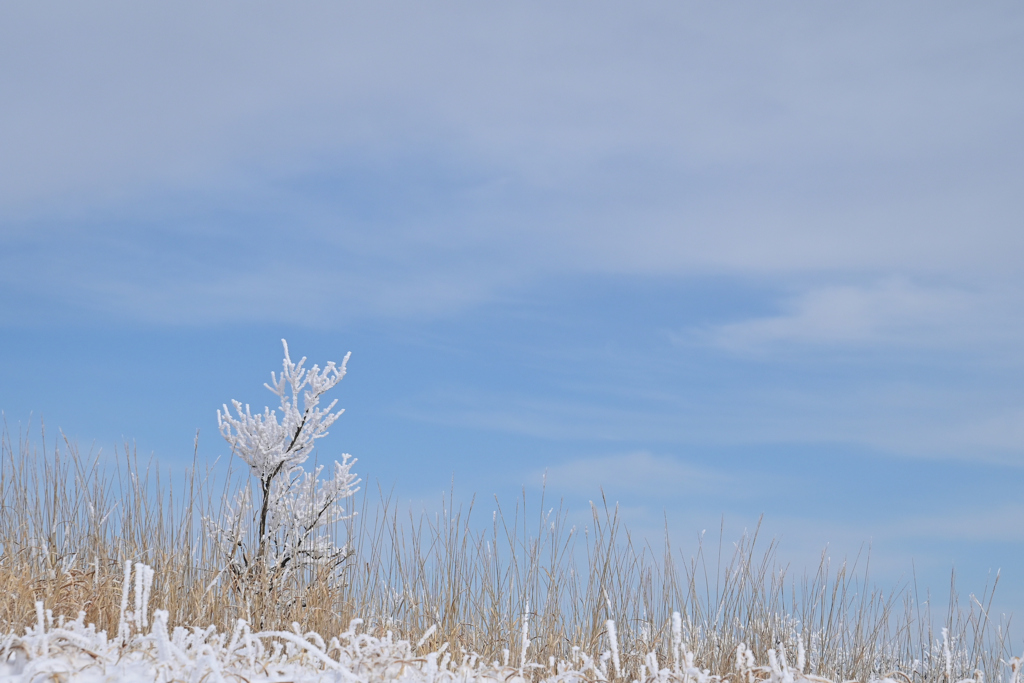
(294,508)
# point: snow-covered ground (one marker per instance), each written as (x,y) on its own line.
(144,649)
(72,651)
(66,651)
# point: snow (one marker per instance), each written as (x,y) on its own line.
(144,649)
(74,652)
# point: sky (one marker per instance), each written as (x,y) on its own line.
(712,261)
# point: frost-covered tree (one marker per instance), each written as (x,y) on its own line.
(289,526)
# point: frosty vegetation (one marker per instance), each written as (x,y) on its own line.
(146,649)
(288,527)
(262,590)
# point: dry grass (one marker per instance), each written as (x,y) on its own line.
(67,526)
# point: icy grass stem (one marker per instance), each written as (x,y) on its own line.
(677,639)
(526,638)
(123,628)
(613,640)
(947,656)
(143,586)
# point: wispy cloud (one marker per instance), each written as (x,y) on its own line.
(637,474)
(862,407)
(893,310)
(1002,523)
(419,155)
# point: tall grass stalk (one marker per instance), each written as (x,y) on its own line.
(69,524)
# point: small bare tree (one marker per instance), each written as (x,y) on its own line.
(289,527)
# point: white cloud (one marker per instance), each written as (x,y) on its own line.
(671,140)
(1000,430)
(636,474)
(866,406)
(888,311)
(1001,523)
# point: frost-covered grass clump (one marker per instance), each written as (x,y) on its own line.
(73,651)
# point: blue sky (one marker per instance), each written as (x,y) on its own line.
(719,260)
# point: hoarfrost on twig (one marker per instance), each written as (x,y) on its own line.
(288,527)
